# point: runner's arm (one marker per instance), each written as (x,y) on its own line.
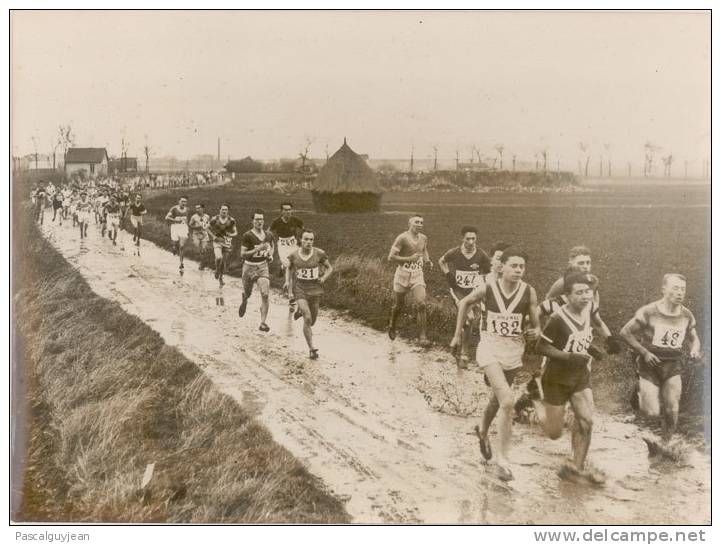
(328,269)
(169,216)
(555,290)
(426,257)
(599,325)
(695,348)
(464,306)
(545,348)
(533,333)
(629,332)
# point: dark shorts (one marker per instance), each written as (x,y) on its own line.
(558,391)
(662,372)
(510,375)
(308,293)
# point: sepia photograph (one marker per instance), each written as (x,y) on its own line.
(334,267)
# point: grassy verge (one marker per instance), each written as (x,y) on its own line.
(106,397)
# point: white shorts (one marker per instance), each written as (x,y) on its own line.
(85,217)
(113,221)
(505,351)
(135,221)
(286,246)
(178,231)
(405,279)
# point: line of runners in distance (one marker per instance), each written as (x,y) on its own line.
(490,295)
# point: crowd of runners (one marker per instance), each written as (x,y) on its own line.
(496,309)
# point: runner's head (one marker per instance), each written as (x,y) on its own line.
(138,198)
(286,210)
(579,288)
(579,258)
(307,239)
(224,209)
(415,224)
(182,201)
(200,208)
(496,253)
(514,264)
(674,288)
(469,237)
(258,218)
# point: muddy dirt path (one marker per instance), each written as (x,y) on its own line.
(377,420)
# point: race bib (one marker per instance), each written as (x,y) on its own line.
(668,337)
(262,253)
(308,273)
(290,241)
(579,342)
(183,220)
(505,325)
(467,279)
(413,266)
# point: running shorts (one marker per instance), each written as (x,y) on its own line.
(135,221)
(307,292)
(557,392)
(221,247)
(254,271)
(113,221)
(178,231)
(407,278)
(200,237)
(506,351)
(85,216)
(286,246)
(669,367)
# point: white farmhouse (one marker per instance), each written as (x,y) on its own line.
(93,160)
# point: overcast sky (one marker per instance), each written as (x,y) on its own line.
(264,81)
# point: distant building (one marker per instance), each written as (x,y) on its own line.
(122,164)
(474,167)
(245,165)
(92,160)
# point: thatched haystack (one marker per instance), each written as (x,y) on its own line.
(346,184)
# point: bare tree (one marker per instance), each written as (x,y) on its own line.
(146,150)
(35,147)
(667,161)
(513,158)
(55,145)
(413,148)
(583,146)
(67,139)
(544,155)
(435,158)
(607,147)
(458,159)
(306,152)
(649,156)
(499,149)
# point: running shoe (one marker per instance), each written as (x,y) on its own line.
(264,327)
(484,444)
(242,307)
(392,333)
(297,314)
(291,301)
(314,354)
(181,267)
(503,473)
